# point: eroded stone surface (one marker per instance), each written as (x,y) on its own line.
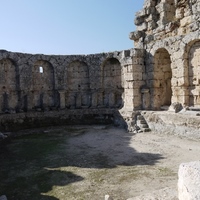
(189,181)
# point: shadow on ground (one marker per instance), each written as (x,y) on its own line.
(31,165)
(105,148)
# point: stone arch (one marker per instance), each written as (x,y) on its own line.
(43,76)
(43,85)
(9,85)
(161,90)
(78,85)
(194,73)
(112,83)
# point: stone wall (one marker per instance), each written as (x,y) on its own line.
(162,70)
(31,82)
(168,31)
(100,83)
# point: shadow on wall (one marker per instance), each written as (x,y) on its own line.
(54,158)
(112,84)
(159,75)
(193,73)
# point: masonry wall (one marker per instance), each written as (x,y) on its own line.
(168,31)
(101,83)
(34,82)
(162,69)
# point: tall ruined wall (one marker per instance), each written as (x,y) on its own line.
(160,19)
(98,82)
(168,31)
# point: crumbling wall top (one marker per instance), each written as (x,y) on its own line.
(165,18)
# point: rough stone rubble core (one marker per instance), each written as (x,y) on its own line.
(162,70)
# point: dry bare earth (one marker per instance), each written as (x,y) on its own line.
(88,162)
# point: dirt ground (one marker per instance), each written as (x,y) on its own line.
(89,162)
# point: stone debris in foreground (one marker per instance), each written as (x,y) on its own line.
(189,181)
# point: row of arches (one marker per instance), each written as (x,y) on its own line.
(160,84)
(40,87)
(108,85)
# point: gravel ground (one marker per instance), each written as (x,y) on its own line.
(101,160)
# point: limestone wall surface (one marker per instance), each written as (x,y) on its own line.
(168,31)
(43,83)
(31,82)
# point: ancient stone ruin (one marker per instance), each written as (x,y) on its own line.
(168,31)
(162,70)
(69,88)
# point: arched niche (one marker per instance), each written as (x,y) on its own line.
(43,76)
(194,74)
(43,85)
(112,83)
(166,11)
(8,77)
(161,90)
(9,85)
(78,85)
(77,76)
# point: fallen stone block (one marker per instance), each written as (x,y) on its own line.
(189,181)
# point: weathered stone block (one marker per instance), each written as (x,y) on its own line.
(142,27)
(129,76)
(189,181)
(136,35)
(185,21)
(179,13)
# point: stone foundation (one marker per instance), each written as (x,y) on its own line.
(184,123)
(18,121)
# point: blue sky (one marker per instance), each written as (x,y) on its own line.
(67,26)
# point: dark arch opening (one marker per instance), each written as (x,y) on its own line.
(161,91)
(112,83)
